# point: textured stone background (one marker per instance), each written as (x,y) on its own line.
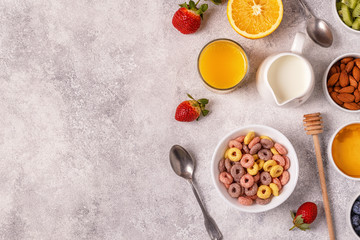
(88,91)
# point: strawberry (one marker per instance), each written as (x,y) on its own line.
(188,18)
(305,215)
(189,110)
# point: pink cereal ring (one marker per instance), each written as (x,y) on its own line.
(226,178)
(277,182)
(254,141)
(247,181)
(240,139)
(245,201)
(279,159)
(257,177)
(254,197)
(280,148)
(235,144)
(227,185)
(284,178)
(287,162)
(263,201)
(247,161)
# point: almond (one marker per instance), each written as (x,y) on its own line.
(335,98)
(344,79)
(346,97)
(353,82)
(333,79)
(357,95)
(337,89)
(356,73)
(332,70)
(352,106)
(348,89)
(342,67)
(346,60)
(349,66)
(330,89)
(357,62)
(338,68)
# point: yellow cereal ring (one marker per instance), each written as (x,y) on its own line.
(226,153)
(265,137)
(255,156)
(260,163)
(264,192)
(268,165)
(274,189)
(273,150)
(234,154)
(253,170)
(250,136)
(276,171)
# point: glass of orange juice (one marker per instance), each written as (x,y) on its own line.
(222,65)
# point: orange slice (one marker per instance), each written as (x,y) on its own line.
(255,18)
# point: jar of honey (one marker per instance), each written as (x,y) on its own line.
(344,150)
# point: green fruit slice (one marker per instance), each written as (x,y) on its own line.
(346,15)
(356,11)
(350,3)
(338,6)
(356,24)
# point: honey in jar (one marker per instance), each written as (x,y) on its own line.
(345,150)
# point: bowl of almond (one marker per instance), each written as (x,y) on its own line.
(341,82)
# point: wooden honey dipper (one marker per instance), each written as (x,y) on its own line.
(313,126)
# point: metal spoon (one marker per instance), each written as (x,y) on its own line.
(317,29)
(183,165)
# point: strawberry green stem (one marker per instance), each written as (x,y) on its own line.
(197,2)
(292,228)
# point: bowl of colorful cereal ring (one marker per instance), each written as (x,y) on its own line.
(255,168)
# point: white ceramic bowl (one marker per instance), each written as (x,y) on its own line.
(348,215)
(336,15)
(330,154)
(326,93)
(277,137)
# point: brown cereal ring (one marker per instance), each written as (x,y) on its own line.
(240,139)
(234,190)
(253,142)
(284,178)
(255,148)
(222,165)
(228,165)
(253,197)
(235,144)
(280,148)
(247,181)
(245,201)
(277,182)
(246,148)
(265,178)
(251,191)
(265,154)
(237,171)
(279,159)
(226,178)
(287,162)
(263,201)
(257,177)
(266,143)
(247,161)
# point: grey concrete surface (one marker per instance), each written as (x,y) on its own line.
(88,91)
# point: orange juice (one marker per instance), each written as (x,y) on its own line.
(222,64)
(346,150)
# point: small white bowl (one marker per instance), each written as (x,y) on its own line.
(336,15)
(277,137)
(348,215)
(326,92)
(329,153)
